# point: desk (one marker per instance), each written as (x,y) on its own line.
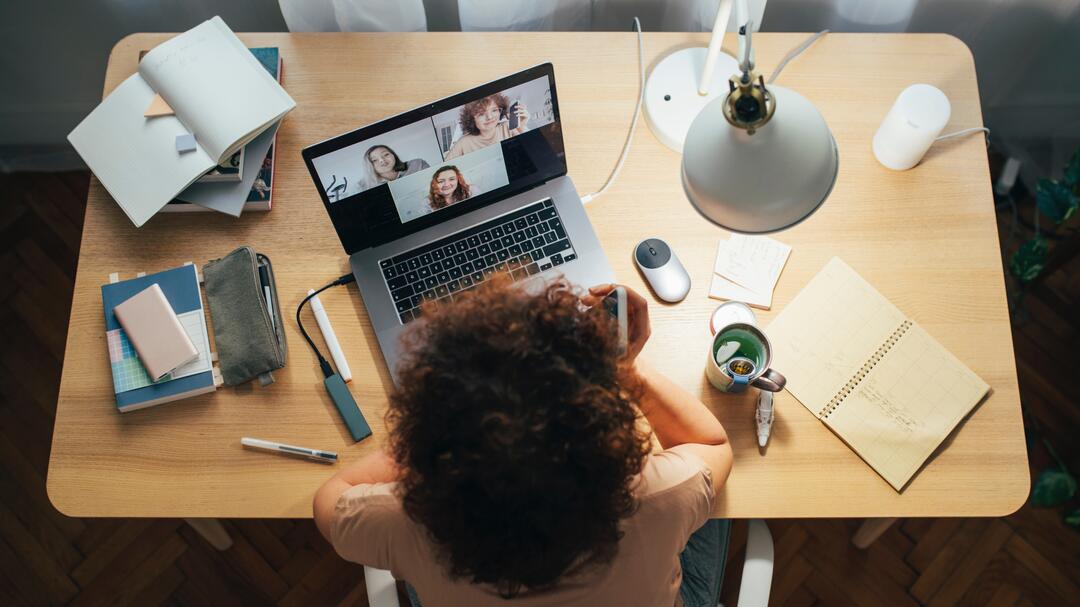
(926,238)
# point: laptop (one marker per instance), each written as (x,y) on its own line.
(434,201)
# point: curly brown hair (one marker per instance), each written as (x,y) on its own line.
(517,432)
(461,192)
(467,117)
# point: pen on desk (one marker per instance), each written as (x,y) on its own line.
(313,454)
(331,339)
(264,280)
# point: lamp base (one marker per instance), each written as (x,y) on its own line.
(672,100)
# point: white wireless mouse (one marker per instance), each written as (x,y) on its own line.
(662,270)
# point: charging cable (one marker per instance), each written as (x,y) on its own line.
(335,386)
(323,363)
(633,123)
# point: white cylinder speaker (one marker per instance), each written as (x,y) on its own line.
(911,126)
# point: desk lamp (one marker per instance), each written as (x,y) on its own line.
(758,159)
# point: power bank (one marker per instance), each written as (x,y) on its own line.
(346,406)
(155,332)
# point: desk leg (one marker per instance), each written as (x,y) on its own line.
(212,531)
(870,530)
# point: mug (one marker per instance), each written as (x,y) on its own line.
(739,356)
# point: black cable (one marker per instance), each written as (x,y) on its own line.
(323,363)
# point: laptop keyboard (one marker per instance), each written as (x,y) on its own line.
(524,242)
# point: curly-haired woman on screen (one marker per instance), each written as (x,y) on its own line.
(485,122)
(448,186)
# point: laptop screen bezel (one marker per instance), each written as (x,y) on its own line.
(428,111)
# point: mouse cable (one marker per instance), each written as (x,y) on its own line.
(633,123)
(323,363)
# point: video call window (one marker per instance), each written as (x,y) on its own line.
(434,163)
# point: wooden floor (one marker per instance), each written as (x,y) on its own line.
(1029,558)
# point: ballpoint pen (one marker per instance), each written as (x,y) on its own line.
(328,457)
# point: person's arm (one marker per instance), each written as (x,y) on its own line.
(683,423)
(377,467)
(679,419)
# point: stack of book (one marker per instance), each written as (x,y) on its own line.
(134,385)
(195,124)
(243,172)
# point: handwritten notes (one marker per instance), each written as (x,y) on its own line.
(747,268)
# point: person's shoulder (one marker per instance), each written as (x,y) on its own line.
(458,148)
(370,526)
(672,470)
(368,499)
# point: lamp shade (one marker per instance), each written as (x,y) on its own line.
(763,182)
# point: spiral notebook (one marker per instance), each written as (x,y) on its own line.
(873,376)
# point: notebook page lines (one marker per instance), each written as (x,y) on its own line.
(828,332)
(906,406)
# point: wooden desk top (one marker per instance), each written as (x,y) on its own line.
(926,238)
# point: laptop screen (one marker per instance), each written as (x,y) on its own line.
(403,174)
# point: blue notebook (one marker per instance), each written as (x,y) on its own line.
(132,384)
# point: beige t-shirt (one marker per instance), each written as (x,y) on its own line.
(468,144)
(676,498)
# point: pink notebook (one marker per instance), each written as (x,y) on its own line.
(155,332)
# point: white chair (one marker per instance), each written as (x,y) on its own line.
(753,590)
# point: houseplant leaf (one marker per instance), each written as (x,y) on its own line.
(1028,260)
(1072,170)
(1053,488)
(1072,519)
(1055,200)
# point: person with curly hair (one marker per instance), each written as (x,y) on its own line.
(484,122)
(448,186)
(519,467)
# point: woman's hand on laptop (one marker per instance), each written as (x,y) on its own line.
(638,328)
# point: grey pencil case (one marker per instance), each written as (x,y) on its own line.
(249,343)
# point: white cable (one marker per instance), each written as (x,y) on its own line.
(965,132)
(633,123)
(795,52)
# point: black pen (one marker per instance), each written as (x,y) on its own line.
(264,280)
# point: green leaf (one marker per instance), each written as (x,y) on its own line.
(1055,200)
(1072,170)
(1072,519)
(1029,259)
(1053,488)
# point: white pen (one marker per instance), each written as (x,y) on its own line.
(328,457)
(331,340)
(764,417)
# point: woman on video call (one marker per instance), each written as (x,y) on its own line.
(484,122)
(448,186)
(383,164)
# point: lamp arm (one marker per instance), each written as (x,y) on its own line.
(746,51)
(723,15)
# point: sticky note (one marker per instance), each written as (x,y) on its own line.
(185,143)
(158,107)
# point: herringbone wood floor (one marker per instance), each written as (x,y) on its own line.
(1029,558)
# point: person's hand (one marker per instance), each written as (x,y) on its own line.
(638,329)
(523,116)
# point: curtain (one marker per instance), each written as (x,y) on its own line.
(502,15)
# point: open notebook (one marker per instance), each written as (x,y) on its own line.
(220,93)
(873,376)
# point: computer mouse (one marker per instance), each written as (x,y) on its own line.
(662,270)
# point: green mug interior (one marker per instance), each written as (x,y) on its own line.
(736,341)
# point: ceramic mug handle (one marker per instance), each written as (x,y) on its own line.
(770,381)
